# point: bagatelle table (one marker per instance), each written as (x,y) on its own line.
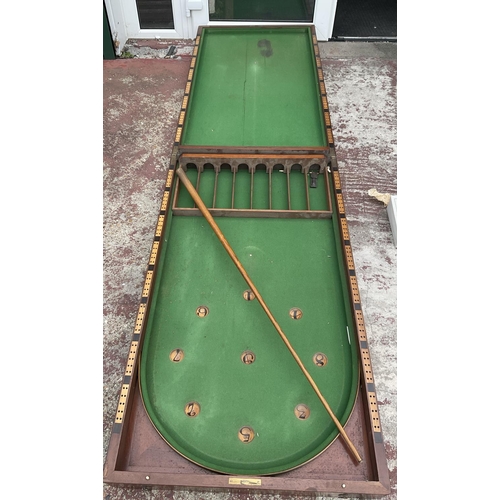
(249,366)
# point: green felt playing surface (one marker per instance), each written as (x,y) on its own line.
(255,87)
(221,387)
(293,263)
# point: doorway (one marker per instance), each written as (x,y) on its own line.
(365,20)
(180,19)
(262,10)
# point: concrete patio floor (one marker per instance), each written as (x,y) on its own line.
(142,100)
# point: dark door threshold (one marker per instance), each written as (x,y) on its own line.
(363,39)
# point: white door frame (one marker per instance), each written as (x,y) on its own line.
(323,18)
(124,21)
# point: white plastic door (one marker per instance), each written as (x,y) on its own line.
(178,19)
(209,13)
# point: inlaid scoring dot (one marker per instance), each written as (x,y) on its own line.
(246,434)
(302,411)
(248,357)
(201,311)
(248,295)
(176,355)
(192,409)
(295,313)
(320,359)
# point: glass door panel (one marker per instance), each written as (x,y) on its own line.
(155,14)
(262,10)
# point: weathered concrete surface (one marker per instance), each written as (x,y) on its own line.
(142,98)
(361,86)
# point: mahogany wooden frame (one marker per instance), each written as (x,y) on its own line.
(138,455)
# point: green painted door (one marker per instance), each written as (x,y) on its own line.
(107,42)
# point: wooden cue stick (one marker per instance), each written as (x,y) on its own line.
(208,216)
